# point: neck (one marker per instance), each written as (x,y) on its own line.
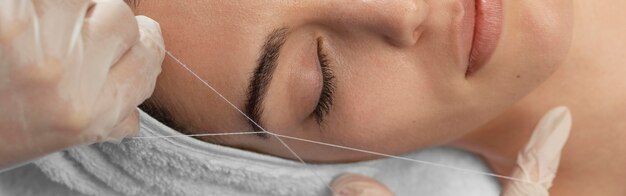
(597,48)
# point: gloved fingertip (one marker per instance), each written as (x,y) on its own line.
(114,140)
(133,121)
(538,162)
(551,134)
(338,181)
(358,185)
(127,128)
(148,23)
(151,35)
(117,138)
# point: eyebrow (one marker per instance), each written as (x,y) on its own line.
(262,77)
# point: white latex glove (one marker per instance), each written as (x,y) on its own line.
(537,162)
(72,72)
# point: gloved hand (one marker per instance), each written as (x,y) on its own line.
(72,72)
(537,163)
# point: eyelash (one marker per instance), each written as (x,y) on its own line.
(328,87)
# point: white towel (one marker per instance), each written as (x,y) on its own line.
(186,166)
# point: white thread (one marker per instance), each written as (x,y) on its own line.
(245,115)
(402,158)
(337,146)
(278,136)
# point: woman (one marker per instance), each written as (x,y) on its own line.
(360,73)
(416,73)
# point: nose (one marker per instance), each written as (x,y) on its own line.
(400,22)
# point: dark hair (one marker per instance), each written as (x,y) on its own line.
(132,3)
(161,113)
(156,110)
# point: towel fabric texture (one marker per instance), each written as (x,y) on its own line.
(189,167)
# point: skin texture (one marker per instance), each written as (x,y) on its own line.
(399,73)
(591,73)
(592,84)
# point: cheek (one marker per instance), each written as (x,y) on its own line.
(386,98)
(542,29)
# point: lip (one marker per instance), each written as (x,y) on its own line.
(483,20)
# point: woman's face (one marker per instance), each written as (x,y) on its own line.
(384,75)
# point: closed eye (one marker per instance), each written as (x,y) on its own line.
(325,101)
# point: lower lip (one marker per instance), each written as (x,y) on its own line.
(487,30)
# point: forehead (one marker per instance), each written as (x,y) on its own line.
(219,41)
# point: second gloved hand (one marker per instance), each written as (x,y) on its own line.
(537,163)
